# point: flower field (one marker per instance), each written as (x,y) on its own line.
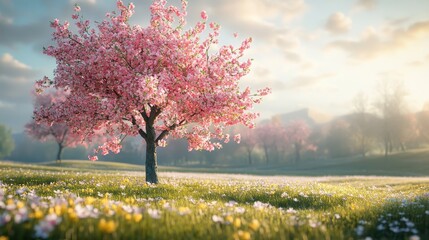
(54,203)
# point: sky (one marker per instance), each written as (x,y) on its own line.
(312,54)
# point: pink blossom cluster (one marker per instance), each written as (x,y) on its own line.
(44,103)
(122,78)
(298,132)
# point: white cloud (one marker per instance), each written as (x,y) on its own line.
(5,20)
(305,81)
(338,23)
(292,57)
(92,2)
(265,20)
(250,10)
(16,80)
(8,61)
(374,43)
(6,105)
(420,62)
(366,4)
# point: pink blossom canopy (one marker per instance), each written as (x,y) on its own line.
(122,77)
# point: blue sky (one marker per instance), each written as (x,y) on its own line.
(316,54)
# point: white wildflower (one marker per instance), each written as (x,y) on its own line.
(47,225)
(153,213)
(217,219)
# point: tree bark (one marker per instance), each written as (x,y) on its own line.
(151,160)
(386,146)
(267,159)
(363,146)
(249,156)
(59,153)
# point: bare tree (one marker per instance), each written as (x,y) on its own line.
(392,108)
(360,122)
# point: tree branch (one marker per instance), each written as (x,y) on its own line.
(144,114)
(143,134)
(140,131)
(74,40)
(168,130)
(154,112)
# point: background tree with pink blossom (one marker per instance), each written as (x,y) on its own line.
(298,133)
(154,81)
(59,132)
(249,140)
(267,136)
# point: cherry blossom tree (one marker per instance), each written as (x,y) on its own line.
(59,132)
(298,132)
(267,137)
(155,81)
(248,140)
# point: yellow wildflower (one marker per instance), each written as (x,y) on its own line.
(10,202)
(130,200)
(202,206)
(37,213)
(229,218)
(71,202)
(184,210)
(237,222)
(72,215)
(137,217)
(20,204)
(59,209)
(162,202)
(105,201)
(254,225)
(89,200)
(107,226)
(4,238)
(106,210)
(242,235)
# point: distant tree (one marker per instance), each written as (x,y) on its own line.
(155,81)
(318,137)
(267,134)
(6,142)
(281,140)
(391,107)
(361,123)
(339,141)
(423,125)
(249,142)
(409,132)
(298,133)
(57,131)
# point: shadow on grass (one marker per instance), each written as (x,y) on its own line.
(397,219)
(30,181)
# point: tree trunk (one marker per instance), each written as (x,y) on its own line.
(249,156)
(402,147)
(386,146)
(60,151)
(267,159)
(151,161)
(363,146)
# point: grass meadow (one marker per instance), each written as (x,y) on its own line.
(110,202)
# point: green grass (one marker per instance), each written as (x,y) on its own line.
(410,163)
(80,202)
